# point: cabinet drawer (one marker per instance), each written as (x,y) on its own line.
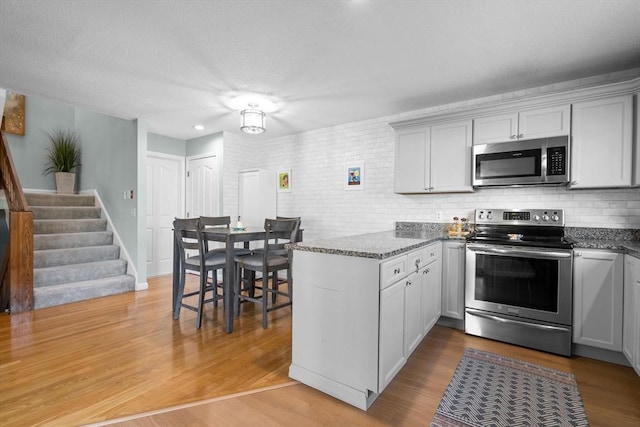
(434,253)
(417,259)
(393,270)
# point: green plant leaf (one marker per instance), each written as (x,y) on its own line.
(64,152)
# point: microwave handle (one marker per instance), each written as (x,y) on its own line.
(520,252)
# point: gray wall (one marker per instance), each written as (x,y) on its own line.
(166,145)
(108,155)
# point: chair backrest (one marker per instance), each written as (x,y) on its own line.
(213,222)
(277,230)
(187,235)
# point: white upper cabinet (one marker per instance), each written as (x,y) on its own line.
(412,163)
(434,159)
(527,124)
(602,145)
(451,157)
(501,128)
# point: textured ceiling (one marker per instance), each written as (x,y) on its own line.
(322,63)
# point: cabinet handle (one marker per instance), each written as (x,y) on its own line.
(574,182)
(577,254)
(432,254)
(513,136)
(521,136)
(409,283)
(426,271)
(396,271)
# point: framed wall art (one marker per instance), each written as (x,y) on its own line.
(284,181)
(14,113)
(354,176)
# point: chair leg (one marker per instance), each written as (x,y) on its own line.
(274,283)
(181,284)
(265,292)
(214,285)
(290,285)
(203,286)
(236,289)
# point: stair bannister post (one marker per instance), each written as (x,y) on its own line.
(18,276)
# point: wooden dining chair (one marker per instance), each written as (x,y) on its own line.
(272,259)
(190,241)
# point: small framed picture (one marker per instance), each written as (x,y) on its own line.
(284,181)
(354,176)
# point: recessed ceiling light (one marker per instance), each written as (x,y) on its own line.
(198,127)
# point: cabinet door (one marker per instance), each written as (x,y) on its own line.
(597,293)
(500,128)
(629,327)
(411,167)
(601,145)
(431,294)
(451,157)
(544,122)
(636,160)
(392,355)
(412,313)
(636,338)
(453,264)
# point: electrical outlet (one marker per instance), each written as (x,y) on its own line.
(439,216)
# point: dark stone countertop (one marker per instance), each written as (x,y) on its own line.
(408,236)
(381,245)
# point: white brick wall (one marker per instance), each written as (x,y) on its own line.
(317,159)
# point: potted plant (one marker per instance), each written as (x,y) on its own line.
(62,159)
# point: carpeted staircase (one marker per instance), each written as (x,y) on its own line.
(74,255)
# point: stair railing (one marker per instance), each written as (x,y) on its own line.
(17,272)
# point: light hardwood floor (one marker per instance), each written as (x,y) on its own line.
(106,360)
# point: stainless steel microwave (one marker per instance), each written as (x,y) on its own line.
(530,162)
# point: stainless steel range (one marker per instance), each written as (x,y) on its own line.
(519,279)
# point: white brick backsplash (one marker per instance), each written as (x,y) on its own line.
(317,160)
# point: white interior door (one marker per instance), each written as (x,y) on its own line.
(165,201)
(203,186)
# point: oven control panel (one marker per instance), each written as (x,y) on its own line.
(543,217)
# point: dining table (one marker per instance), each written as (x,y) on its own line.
(228,236)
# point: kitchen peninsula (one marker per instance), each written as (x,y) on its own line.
(362,305)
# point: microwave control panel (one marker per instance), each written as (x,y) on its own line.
(556,160)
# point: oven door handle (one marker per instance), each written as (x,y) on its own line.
(478,313)
(519,252)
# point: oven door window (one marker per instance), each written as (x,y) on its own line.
(519,282)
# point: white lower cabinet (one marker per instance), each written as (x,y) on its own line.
(413,330)
(631,320)
(636,338)
(431,285)
(408,309)
(392,337)
(597,298)
(358,319)
(453,260)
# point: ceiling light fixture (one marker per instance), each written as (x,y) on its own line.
(198,127)
(252,120)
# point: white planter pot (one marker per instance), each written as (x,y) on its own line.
(65,182)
